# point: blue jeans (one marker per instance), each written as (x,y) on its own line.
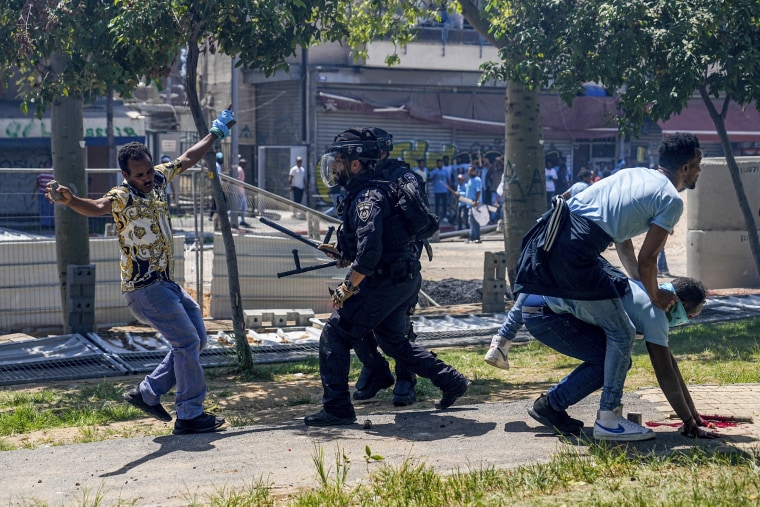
(571,337)
(619,332)
(662,262)
(173,313)
(441,201)
(514,320)
(474,228)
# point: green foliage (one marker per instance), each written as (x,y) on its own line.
(656,54)
(261,33)
(75,48)
(368,456)
(66,48)
(393,20)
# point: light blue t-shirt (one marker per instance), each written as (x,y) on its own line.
(577,187)
(474,186)
(648,320)
(462,190)
(627,204)
(438,177)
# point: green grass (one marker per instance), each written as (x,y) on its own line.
(722,353)
(602,475)
(27,411)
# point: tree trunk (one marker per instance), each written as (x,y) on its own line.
(71,231)
(733,169)
(238,320)
(524,179)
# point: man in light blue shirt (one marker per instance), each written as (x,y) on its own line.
(439,177)
(549,321)
(473,193)
(561,254)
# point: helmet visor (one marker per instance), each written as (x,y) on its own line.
(330,167)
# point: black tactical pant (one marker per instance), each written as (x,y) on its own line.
(380,307)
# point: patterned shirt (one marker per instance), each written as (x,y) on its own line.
(144,228)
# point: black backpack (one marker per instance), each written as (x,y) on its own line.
(411,197)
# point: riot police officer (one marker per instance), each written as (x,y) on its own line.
(382,284)
(376,373)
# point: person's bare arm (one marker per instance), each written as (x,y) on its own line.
(654,242)
(674,388)
(83,206)
(219,129)
(627,257)
(196,152)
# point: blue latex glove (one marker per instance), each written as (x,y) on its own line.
(221,126)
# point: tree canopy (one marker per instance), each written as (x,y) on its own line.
(654,54)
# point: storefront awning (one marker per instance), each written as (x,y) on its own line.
(588,118)
(19,130)
(743,125)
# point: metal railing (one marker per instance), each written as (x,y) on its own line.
(29,286)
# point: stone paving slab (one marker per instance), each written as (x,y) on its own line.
(737,400)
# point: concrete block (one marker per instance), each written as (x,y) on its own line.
(253,318)
(713,205)
(721,259)
(277,318)
(301,317)
(495,266)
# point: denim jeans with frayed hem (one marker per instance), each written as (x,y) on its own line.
(514,320)
(173,313)
(474,228)
(613,338)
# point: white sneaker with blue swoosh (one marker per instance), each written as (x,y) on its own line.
(610,426)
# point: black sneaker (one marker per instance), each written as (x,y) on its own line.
(134,398)
(556,420)
(453,393)
(204,423)
(404,393)
(322,418)
(368,385)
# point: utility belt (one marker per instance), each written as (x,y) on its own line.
(400,270)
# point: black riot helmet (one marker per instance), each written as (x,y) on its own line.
(384,139)
(349,145)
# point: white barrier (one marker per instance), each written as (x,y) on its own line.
(30,295)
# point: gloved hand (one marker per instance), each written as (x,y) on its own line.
(332,252)
(331,249)
(221,126)
(342,293)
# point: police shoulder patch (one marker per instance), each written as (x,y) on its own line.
(364,210)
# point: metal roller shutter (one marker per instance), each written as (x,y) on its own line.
(329,124)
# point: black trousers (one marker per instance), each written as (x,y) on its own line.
(380,307)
